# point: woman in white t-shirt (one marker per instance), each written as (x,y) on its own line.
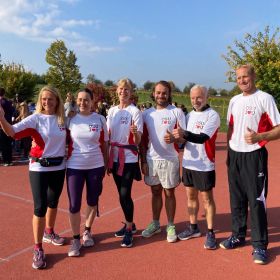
(46,165)
(125,126)
(87,161)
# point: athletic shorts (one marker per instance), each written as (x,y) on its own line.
(163,172)
(201,180)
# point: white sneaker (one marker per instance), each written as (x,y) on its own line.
(87,239)
(74,250)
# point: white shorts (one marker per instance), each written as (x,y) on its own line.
(163,172)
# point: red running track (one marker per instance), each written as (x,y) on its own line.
(152,258)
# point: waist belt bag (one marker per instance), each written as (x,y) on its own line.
(46,162)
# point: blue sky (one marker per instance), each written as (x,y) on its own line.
(179,40)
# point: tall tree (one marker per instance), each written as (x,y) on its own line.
(109,83)
(63,72)
(262,50)
(90,78)
(188,87)
(16,80)
(148,85)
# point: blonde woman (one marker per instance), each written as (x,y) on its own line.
(46,165)
(125,126)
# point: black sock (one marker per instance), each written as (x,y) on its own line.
(193,226)
(77,236)
(210,230)
(88,228)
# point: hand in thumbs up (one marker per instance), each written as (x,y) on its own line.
(133,128)
(251,137)
(168,137)
(178,132)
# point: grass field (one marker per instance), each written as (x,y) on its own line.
(220,104)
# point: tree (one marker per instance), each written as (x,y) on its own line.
(212,91)
(261,50)
(16,80)
(109,83)
(188,87)
(148,85)
(63,72)
(174,88)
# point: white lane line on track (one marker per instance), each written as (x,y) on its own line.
(20,252)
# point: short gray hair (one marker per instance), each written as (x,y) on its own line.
(201,87)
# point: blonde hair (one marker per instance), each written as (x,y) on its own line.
(59,109)
(125,82)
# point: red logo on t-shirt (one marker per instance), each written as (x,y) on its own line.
(199,124)
(250,110)
(93,127)
(61,127)
(166,120)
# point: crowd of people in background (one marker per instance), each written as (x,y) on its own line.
(102,140)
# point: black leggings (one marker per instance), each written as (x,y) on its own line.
(46,189)
(124,185)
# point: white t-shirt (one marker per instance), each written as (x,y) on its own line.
(119,122)
(257,111)
(48,136)
(87,133)
(156,123)
(201,157)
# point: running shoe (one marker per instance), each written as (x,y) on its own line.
(127,239)
(120,233)
(232,242)
(189,233)
(74,250)
(171,234)
(152,228)
(259,256)
(210,242)
(53,238)
(87,239)
(39,259)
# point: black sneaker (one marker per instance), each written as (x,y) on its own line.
(232,242)
(210,242)
(120,233)
(259,256)
(127,239)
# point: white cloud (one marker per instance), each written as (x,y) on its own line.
(74,22)
(124,39)
(40,20)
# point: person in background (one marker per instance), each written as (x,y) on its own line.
(251,110)
(5,140)
(25,143)
(70,106)
(46,165)
(125,125)
(86,164)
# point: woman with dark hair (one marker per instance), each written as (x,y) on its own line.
(46,165)
(87,161)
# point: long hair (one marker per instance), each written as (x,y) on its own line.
(59,109)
